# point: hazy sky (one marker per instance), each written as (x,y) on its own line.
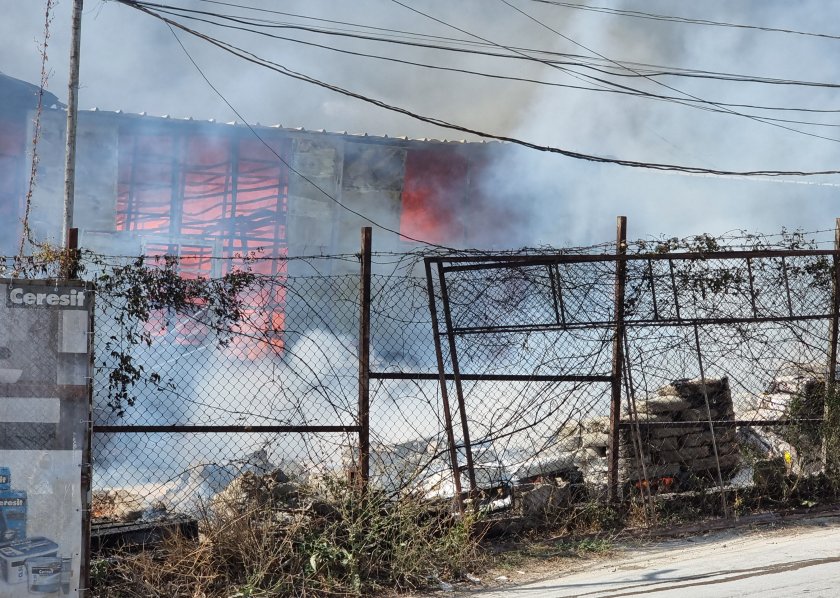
(132,62)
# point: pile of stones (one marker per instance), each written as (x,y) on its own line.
(692,447)
(684,451)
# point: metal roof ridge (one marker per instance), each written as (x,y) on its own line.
(278,126)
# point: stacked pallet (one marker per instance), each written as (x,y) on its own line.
(689,447)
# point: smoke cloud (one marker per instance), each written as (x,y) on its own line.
(132,62)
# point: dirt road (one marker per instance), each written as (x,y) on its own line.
(800,560)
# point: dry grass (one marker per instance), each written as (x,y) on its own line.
(331,542)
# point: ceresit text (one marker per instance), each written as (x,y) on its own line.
(34,297)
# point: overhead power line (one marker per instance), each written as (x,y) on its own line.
(682,20)
(285,71)
(625,69)
(686,95)
(516,52)
(286,162)
(608,87)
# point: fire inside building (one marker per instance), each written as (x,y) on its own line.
(199,190)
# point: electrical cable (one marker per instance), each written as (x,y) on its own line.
(623,91)
(665,85)
(682,20)
(522,54)
(254,59)
(289,166)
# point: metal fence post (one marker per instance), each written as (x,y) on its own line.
(834,331)
(459,390)
(72,255)
(617,357)
(835,308)
(444,392)
(364,358)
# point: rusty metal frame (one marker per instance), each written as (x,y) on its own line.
(619,323)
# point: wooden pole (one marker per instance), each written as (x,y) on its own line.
(364,358)
(617,359)
(72,114)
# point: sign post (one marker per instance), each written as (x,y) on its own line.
(45,415)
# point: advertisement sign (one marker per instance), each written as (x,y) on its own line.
(45,344)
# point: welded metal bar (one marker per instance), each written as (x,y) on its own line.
(833,333)
(222,429)
(459,389)
(488,377)
(640,323)
(86,478)
(674,289)
(364,358)
(489,262)
(835,310)
(787,286)
(653,290)
(728,423)
(554,288)
(617,359)
(560,295)
(752,287)
(711,424)
(444,391)
(636,432)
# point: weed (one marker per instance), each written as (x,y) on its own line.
(331,541)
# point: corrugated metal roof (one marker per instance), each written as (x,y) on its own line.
(280,127)
(15,91)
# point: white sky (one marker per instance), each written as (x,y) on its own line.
(131,61)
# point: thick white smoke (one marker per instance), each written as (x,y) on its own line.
(132,62)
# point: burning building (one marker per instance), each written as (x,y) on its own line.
(204,190)
(155,185)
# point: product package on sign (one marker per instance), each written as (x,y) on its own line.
(45,332)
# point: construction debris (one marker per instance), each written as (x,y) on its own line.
(701,451)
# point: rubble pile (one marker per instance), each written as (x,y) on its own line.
(797,394)
(252,491)
(683,450)
(591,458)
(117,505)
(678,451)
(559,462)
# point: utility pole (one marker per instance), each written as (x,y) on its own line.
(72,113)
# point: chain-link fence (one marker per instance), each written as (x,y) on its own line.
(702,370)
(193,390)
(517,371)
